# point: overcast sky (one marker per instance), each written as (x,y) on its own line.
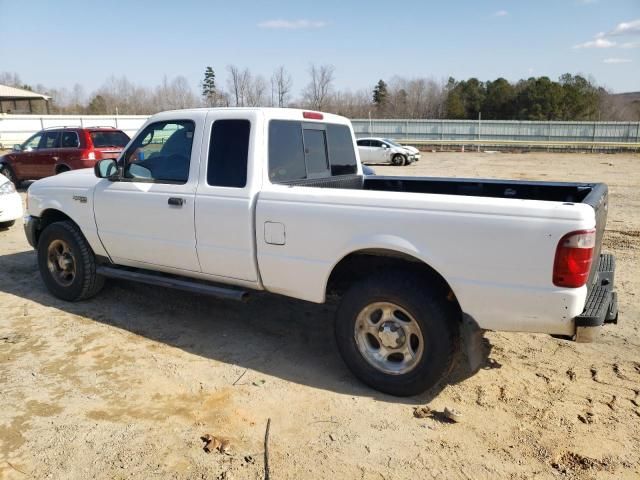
(60,43)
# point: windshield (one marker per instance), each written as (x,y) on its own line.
(114,138)
(391,142)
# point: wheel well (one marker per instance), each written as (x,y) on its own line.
(62,168)
(364,263)
(47,218)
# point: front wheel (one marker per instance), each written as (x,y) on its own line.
(396,334)
(67,263)
(399,160)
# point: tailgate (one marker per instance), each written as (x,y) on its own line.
(598,199)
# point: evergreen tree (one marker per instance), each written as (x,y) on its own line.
(380,94)
(209,91)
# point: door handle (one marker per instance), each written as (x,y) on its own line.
(175,201)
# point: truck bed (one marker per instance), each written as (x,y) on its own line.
(517,189)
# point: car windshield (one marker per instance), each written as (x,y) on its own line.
(391,142)
(114,138)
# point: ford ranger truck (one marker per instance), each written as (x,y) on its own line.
(226,202)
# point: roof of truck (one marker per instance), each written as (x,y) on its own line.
(268,112)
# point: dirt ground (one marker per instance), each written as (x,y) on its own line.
(124,385)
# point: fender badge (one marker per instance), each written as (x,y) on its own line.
(80,198)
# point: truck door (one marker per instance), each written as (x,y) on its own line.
(147,217)
(225,199)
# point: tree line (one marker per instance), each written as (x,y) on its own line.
(571,97)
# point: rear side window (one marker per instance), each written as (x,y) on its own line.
(341,152)
(115,138)
(50,140)
(286,151)
(299,150)
(70,139)
(228,153)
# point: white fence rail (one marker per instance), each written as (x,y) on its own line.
(17,128)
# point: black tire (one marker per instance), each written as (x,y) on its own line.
(435,317)
(62,169)
(399,160)
(5,225)
(7,171)
(86,282)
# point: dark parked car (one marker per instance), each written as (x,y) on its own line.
(56,150)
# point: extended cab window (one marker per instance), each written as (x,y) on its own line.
(161,153)
(299,150)
(228,153)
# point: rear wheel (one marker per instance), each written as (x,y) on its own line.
(397,334)
(398,160)
(67,264)
(62,169)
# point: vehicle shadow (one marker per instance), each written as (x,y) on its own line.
(274,335)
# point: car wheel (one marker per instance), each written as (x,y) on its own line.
(396,333)
(8,172)
(398,160)
(67,263)
(62,170)
(5,225)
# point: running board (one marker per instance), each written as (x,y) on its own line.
(187,285)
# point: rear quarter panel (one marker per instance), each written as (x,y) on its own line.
(496,254)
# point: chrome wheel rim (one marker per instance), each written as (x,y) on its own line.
(61,263)
(389,338)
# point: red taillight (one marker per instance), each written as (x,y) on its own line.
(89,154)
(313,115)
(573,259)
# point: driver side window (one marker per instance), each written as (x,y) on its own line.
(161,153)
(33,142)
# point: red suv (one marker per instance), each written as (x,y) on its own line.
(59,149)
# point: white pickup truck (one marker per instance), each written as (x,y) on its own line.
(229,201)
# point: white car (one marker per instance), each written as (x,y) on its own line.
(231,201)
(384,150)
(10,203)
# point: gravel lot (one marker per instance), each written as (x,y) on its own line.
(124,385)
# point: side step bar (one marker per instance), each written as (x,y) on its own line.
(179,283)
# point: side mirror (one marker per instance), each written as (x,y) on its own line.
(385,146)
(107,168)
(17,147)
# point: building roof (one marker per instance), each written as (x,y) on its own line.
(13,93)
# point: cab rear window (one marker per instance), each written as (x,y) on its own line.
(109,139)
(301,150)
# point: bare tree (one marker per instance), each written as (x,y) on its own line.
(256,89)
(239,83)
(319,87)
(11,79)
(281,84)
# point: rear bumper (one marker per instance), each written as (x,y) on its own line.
(602,302)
